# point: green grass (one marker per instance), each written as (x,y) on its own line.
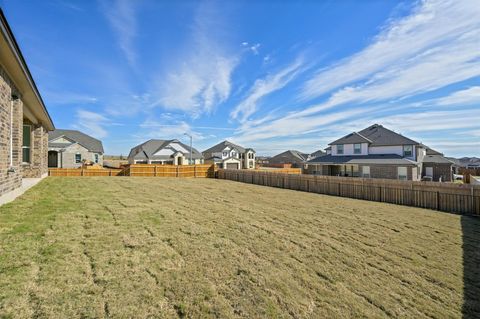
(158,247)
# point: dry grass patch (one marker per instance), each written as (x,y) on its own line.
(158,247)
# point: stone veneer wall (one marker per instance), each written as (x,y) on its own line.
(9,180)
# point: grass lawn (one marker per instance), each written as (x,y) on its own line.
(158,247)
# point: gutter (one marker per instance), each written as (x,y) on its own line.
(7,31)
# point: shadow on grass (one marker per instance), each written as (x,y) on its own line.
(471,266)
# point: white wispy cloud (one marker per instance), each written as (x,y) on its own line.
(172,130)
(435,46)
(121,14)
(438,39)
(465,97)
(91,123)
(201,78)
(264,87)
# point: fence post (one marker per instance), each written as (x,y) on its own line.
(155,171)
(437,202)
(178,166)
(81,172)
(472,199)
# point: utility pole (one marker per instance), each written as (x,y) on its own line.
(190,146)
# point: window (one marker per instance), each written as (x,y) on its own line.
(234,154)
(26,144)
(357,148)
(96,158)
(402,173)
(366,171)
(225,154)
(407,150)
(340,149)
(78,158)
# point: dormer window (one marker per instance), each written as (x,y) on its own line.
(340,149)
(407,150)
(357,148)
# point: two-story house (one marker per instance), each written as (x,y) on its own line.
(375,152)
(228,155)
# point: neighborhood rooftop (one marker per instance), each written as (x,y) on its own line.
(148,150)
(90,143)
(376,135)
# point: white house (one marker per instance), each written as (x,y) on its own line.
(230,156)
(172,152)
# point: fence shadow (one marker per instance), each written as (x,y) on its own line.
(471,266)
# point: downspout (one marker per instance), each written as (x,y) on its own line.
(11,169)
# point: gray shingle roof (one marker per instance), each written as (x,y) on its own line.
(387,159)
(352,138)
(375,135)
(437,159)
(381,136)
(318,153)
(90,143)
(147,150)
(221,146)
(290,156)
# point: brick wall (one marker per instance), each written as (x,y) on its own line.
(9,180)
(39,153)
(439,170)
(387,171)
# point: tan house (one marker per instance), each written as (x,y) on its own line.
(24,119)
(72,148)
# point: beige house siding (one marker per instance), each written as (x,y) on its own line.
(66,158)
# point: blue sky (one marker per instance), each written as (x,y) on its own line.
(272,75)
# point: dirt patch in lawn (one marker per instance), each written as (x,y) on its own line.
(160,247)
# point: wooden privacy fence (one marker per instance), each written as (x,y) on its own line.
(170,170)
(286,170)
(140,170)
(448,197)
(83,172)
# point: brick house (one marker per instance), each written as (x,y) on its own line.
(377,152)
(24,120)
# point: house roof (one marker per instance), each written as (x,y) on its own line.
(290,156)
(12,59)
(352,138)
(387,159)
(147,150)
(222,145)
(376,135)
(437,159)
(317,153)
(90,143)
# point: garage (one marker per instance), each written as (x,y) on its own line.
(232,165)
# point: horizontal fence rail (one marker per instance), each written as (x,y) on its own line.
(296,171)
(146,170)
(153,170)
(448,197)
(83,172)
